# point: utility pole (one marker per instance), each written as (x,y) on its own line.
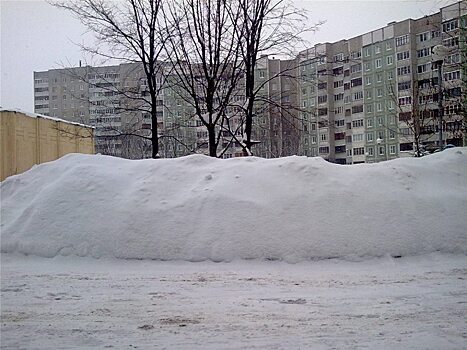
(439,52)
(440,103)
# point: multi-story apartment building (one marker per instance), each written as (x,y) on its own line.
(113,99)
(276,124)
(97,96)
(365,99)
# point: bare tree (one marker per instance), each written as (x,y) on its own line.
(267,26)
(127,31)
(205,59)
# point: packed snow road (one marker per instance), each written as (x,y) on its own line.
(64,302)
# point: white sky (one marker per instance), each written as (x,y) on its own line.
(36,36)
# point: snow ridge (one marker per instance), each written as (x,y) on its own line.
(198,208)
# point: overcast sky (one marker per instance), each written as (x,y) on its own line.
(36,36)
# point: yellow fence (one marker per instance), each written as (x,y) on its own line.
(30,139)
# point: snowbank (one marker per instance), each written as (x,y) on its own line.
(198,208)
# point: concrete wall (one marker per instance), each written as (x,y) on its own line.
(28,140)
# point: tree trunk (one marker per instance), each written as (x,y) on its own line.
(212,140)
(154,135)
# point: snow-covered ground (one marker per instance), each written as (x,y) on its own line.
(384,303)
(201,253)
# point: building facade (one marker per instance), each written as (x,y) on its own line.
(370,98)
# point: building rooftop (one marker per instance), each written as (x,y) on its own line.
(36,115)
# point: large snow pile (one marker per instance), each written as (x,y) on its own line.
(197,208)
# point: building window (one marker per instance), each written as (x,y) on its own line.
(381,150)
(357,137)
(323,137)
(313,139)
(422,68)
(405,85)
(369,94)
(403,55)
(403,70)
(338,84)
(367,51)
(339,97)
(452,75)
(369,137)
(402,40)
(357,123)
(261,73)
(322,111)
(378,63)
(392,134)
(390,75)
(322,99)
(357,109)
(377,49)
(339,123)
(451,25)
(359,151)
(388,45)
(451,42)
(392,149)
(367,65)
(358,96)
(355,54)
(406,100)
(389,60)
(424,52)
(379,107)
(369,151)
(451,59)
(339,149)
(339,57)
(369,123)
(424,36)
(356,82)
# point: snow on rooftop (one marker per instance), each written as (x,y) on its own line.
(198,208)
(36,115)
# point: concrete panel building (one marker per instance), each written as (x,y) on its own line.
(369,98)
(366,97)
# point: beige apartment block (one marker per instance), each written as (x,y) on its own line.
(28,139)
